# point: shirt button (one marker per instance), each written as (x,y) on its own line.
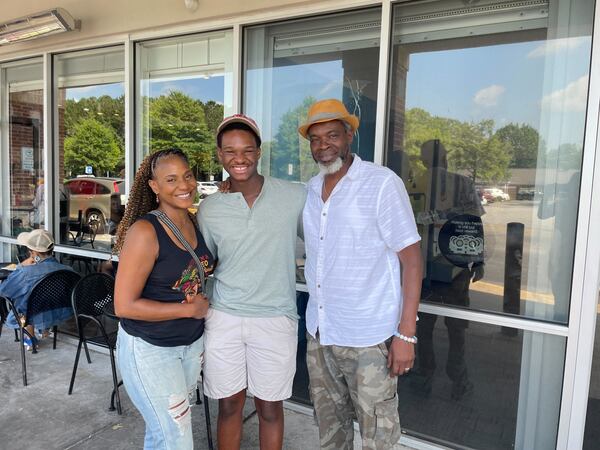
(324,214)
(321,237)
(320,307)
(318,285)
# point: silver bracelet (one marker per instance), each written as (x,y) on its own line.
(409,339)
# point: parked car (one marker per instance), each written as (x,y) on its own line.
(526,194)
(98,199)
(496,194)
(207,187)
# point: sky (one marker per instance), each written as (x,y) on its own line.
(197,87)
(540,83)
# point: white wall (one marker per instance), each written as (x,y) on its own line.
(101,18)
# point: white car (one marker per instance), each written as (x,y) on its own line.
(497,194)
(206,188)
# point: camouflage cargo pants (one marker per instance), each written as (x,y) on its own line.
(348,383)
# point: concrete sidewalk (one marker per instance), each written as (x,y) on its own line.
(43,416)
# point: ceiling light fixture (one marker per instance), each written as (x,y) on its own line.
(37,25)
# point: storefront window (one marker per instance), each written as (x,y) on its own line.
(89,132)
(479,395)
(22,198)
(184,91)
(290,65)
(492,159)
(486,124)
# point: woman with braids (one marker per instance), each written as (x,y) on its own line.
(160,346)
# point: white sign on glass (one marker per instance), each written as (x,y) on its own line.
(27,158)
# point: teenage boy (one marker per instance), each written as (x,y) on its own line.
(251,328)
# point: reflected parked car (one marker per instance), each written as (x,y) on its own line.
(206,188)
(98,199)
(527,194)
(495,194)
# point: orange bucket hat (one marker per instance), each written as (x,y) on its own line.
(326,111)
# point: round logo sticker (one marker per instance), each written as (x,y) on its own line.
(461,240)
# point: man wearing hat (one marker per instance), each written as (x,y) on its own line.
(251,329)
(18,284)
(359,233)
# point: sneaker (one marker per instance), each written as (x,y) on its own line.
(29,343)
(43,334)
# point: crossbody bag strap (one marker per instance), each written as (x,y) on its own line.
(179,235)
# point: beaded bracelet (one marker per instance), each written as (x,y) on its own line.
(409,339)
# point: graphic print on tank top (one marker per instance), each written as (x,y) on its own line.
(189,281)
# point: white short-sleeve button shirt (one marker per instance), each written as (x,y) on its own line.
(352,269)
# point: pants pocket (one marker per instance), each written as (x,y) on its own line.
(387,431)
(384,347)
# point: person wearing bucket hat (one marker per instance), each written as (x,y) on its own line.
(17,285)
(363,273)
(251,327)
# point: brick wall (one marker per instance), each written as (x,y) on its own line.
(26,113)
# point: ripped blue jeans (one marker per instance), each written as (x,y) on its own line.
(159,382)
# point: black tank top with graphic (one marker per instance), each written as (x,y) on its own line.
(173,277)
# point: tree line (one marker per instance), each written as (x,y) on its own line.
(95,132)
(95,137)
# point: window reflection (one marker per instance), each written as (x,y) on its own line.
(182,100)
(23,191)
(90,123)
(486,412)
(290,65)
(516,139)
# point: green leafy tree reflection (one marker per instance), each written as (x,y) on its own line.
(92,143)
(177,120)
(525,143)
(473,148)
(289,147)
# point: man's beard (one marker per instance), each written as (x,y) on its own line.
(332,167)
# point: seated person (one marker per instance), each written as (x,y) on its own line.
(18,284)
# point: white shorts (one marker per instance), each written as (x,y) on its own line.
(257,353)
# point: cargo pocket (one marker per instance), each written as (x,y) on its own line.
(387,432)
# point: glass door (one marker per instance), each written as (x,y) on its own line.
(486,124)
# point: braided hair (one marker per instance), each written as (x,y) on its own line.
(142,198)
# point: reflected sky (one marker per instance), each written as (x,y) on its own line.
(504,83)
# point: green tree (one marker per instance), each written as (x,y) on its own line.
(105,109)
(92,144)
(480,153)
(525,143)
(289,147)
(177,120)
(213,112)
(472,147)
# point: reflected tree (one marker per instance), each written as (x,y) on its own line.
(178,120)
(289,147)
(92,143)
(473,148)
(525,143)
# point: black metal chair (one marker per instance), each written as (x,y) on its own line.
(51,292)
(89,298)
(4,308)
